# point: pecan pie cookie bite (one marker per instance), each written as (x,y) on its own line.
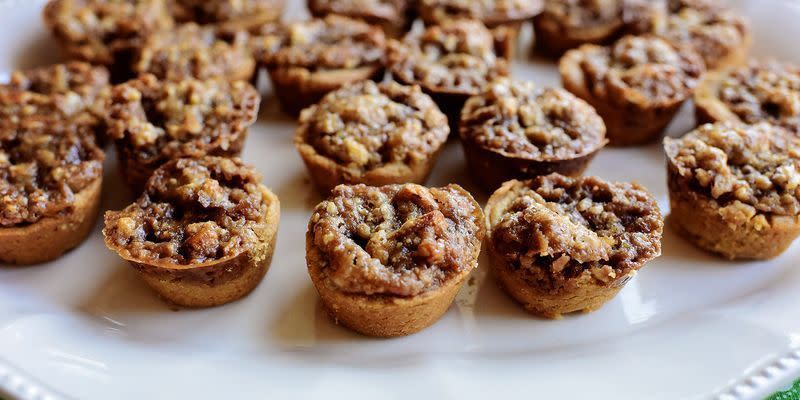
(735,189)
(759,92)
(560,245)
(637,84)
(451,62)
(229,13)
(306,60)
(566,24)
(203,232)
(105,32)
(50,180)
(394,16)
(72,93)
(153,121)
(192,51)
(505,16)
(716,32)
(376,134)
(388,261)
(514,130)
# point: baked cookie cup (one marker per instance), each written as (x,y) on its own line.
(514,130)
(102,32)
(388,261)
(153,121)
(559,245)
(637,84)
(762,91)
(450,62)
(375,134)
(233,14)
(395,17)
(734,189)
(567,24)
(50,182)
(307,60)
(202,234)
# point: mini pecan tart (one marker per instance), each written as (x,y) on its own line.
(388,261)
(105,32)
(153,121)
(716,32)
(228,13)
(306,60)
(192,51)
(735,189)
(50,180)
(203,232)
(394,16)
(503,16)
(560,245)
(451,62)
(514,130)
(637,84)
(73,93)
(759,92)
(376,134)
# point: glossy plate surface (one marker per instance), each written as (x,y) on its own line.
(688,326)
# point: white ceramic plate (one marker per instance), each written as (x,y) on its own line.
(689,326)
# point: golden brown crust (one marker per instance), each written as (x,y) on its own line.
(376,134)
(735,189)
(637,85)
(202,234)
(50,237)
(306,60)
(559,245)
(388,261)
(514,130)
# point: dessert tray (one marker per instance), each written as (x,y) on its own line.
(689,325)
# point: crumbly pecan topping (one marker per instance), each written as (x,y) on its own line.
(457,56)
(400,240)
(96,29)
(156,121)
(216,11)
(333,42)
(367,125)
(763,91)
(482,10)
(371,10)
(641,70)
(754,168)
(42,167)
(197,52)
(192,211)
(522,120)
(556,229)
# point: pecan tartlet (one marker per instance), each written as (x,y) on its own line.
(105,32)
(227,13)
(560,245)
(735,189)
(388,261)
(72,93)
(50,180)
(306,60)
(715,31)
(394,16)
(203,232)
(153,121)
(759,92)
(514,130)
(192,51)
(375,134)
(637,84)
(503,16)
(451,62)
